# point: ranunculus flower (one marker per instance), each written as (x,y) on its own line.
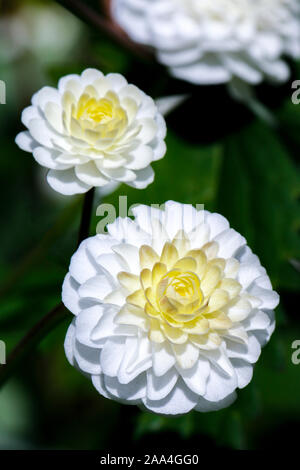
(210,42)
(171,310)
(94,130)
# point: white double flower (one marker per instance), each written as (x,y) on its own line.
(94,130)
(171,310)
(211,42)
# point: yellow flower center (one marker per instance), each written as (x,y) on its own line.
(179,293)
(96,110)
(181,296)
(100,121)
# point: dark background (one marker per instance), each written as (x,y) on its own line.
(219,154)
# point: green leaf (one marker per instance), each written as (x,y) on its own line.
(258,193)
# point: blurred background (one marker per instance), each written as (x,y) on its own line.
(219,154)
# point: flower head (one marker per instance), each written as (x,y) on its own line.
(209,42)
(171,310)
(93,130)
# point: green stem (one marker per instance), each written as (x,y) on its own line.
(85,223)
(54,317)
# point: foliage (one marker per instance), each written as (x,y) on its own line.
(249,172)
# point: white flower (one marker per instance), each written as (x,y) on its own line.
(210,42)
(171,310)
(94,130)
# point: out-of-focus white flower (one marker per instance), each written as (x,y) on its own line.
(94,130)
(171,310)
(211,42)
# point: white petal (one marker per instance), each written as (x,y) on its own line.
(159,149)
(229,242)
(70,295)
(142,358)
(106,326)
(112,355)
(98,382)
(217,224)
(134,390)
(186,354)
(41,132)
(219,385)
(208,72)
(249,352)
(180,400)
(240,310)
(131,91)
(117,81)
(81,267)
(159,387)
(29,113)
(137,359)
(148,130)
(143,178)
(71,159)
(99,245)
(96,288)
(90,75)
(258,320)
(248,273)
(44,95)
(88,359)
(130,255)
(219,358)
(243,370)
(66,182)
(47,158)
(112,263)
(205,406)
(163,358)
(25,141)
(65,80)
(89,174)
(69,343)
(108,188)
(196,377)
(173,218)
(199,236)
(121,174)
(269,298)
(140,158)
(86,321)
(144,216)
(53,114)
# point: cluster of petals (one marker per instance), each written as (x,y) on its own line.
(94,130)
(210,42)
(171,310)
